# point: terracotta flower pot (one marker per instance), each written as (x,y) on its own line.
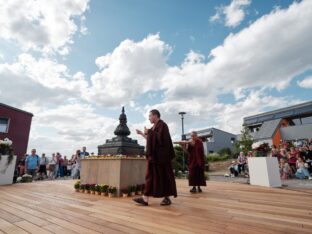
(87,191)
(81,190)
(125,195)
(139,192)
(99,193)
(110,195)
(132,194)
(77,190)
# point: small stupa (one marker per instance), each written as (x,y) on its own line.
(121,144)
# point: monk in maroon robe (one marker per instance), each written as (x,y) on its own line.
(160,180)
(196,163)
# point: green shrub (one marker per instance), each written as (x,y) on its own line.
(225,151)
(104,188)
(77,185)
(177,162)
(98,188)
(112,190)
(215,157)
(206,176)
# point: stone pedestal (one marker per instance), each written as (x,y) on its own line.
(119,173)
(264,171)
(6,171)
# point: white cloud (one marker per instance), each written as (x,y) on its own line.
(261,55)
(42,81)
(47,26)
(132,69)
(230,116)
(233,14)
(68,127)
(258,59)
(306,82)
(247,60)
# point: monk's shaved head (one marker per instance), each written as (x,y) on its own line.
(155,112)
(154,116)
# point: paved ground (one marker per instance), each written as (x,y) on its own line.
(291,183)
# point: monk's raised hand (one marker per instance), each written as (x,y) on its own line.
(145,130)
(139,132)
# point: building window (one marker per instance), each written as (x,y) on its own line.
(4,125)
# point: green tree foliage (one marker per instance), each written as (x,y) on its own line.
(177,162)
(245,142)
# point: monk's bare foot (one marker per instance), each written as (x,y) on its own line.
(166,202)
(140,200)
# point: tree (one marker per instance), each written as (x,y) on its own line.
(177,162)
(245,142)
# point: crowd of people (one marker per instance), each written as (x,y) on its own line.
(295,160)
(57,166)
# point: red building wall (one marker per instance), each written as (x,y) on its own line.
(19,128)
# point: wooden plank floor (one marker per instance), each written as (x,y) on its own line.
(54,207)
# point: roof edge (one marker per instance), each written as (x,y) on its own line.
(16,109)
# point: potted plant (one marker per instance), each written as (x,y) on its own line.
(26,178)
(7,162)
(98,189)
(138,189)
(82,188)
(132,189)
(87,190)
(112,191)
(124,192)
(92,188)
(104,189)
(77,186)
(142,188)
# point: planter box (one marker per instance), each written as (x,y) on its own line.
(6,171)
(119,173)
(264,171)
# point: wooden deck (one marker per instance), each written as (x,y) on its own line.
(54,207)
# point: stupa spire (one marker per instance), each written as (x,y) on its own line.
(122,129)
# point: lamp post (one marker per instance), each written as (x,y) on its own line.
(183,137)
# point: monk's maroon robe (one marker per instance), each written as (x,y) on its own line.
(159,181)
(196,164)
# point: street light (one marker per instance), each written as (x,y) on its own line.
(183,137)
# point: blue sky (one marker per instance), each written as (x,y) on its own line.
(74,64)
(177,22)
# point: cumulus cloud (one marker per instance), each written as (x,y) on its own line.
(233,14)
(247,60)
(42,81)
(306,83)
(247,66)
(132,69)
(262,55)
(65,128)
(46,26)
